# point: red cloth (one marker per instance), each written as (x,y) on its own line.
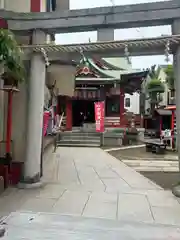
(45,122)
(3,23)
(99,116)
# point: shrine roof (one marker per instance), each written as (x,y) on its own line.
(132,81)
(105,70)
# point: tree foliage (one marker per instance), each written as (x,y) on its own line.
(154,88)
(170,77)
(11,56)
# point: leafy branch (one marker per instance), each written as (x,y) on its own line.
(11,56)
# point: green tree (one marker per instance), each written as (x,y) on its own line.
(170,79)
(154,88)
(11,60)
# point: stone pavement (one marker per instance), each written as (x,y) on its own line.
(89,182)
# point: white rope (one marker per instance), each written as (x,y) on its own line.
(46,59)
(167,42)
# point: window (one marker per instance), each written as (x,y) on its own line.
(127,102)
(112,106)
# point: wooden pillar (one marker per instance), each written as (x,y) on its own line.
(68,114)
(9,123)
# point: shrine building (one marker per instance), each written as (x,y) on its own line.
(109,80)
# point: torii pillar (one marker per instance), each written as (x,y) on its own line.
(35,108)
(176,65)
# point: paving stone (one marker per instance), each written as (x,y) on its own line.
(85,173)
(38,205)
(52,226)
(51,191)
(134,207)
(106,173)
(166,215)
(116,185)
(72,202)
(162,199)
(102,205)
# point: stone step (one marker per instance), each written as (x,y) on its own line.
(42,226)
(79,133)
(61,144)
(80,137)
(80,140)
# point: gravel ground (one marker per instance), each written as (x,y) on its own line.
(164,179)
(138,153)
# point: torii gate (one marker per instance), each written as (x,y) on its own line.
(148,46)
(138,15)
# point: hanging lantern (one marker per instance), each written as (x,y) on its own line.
(167,51)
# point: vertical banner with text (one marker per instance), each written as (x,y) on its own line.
(99,116)
(46,117)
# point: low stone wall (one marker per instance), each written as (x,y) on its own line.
(116,137)
(112,139)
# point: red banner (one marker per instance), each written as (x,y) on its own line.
(45,122)
(99,116)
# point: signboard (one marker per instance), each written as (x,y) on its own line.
(86,94)
(115,91)
(99,116)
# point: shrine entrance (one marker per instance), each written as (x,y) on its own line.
(82,111)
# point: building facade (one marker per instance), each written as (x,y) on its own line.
(100,80)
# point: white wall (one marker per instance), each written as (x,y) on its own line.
(134,103)
(17,5)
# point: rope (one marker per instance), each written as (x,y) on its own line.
(173,40)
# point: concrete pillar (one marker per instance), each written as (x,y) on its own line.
(105,35)
(62,5)
(1,3)
(35,113)
(176,63)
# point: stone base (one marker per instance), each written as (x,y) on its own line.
(31,182)
(22,185)
(176,191)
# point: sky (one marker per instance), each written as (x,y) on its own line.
(120,34)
